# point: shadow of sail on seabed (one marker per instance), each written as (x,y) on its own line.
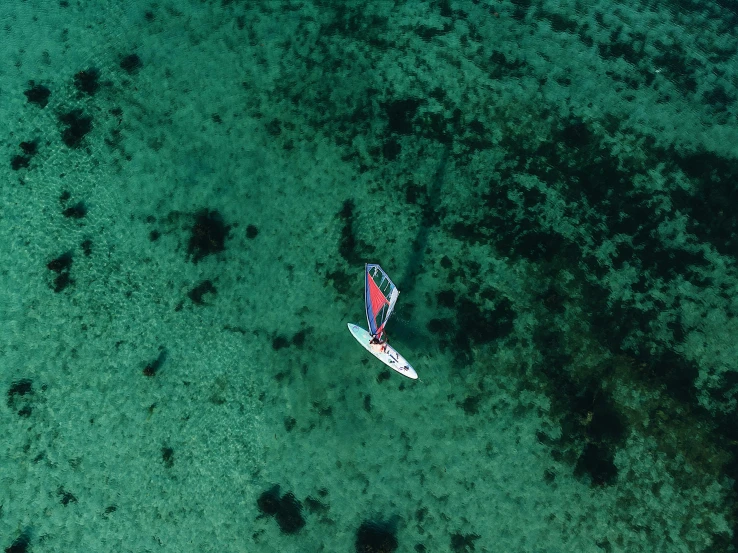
(405,331)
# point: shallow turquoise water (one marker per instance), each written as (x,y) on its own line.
(190,191)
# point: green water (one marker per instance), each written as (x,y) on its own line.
(189,191)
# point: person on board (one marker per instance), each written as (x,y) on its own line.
(379,340)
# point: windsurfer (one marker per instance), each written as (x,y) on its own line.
(379,340)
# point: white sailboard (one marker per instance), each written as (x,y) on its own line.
(380,296)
